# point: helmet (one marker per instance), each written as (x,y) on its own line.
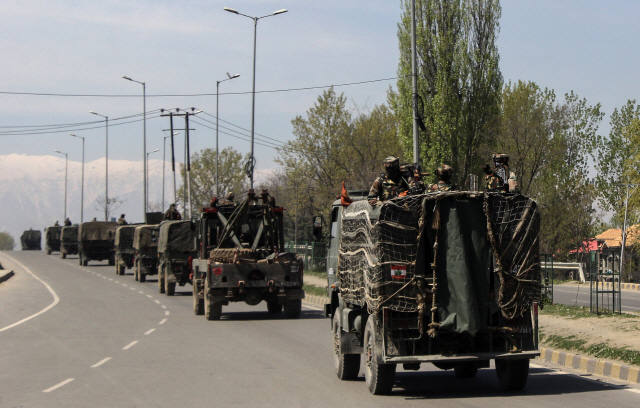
(231,196)
(500,159)
(444,172)
(391,164)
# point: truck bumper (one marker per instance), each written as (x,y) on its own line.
(461,357)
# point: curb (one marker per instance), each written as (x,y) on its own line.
(5,275)
(317,301)
(624,286)
(589,365)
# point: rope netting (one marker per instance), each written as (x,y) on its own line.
(381,262)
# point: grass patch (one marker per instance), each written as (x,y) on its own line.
(575,312)
(599,350)
(314,290)
(316,273)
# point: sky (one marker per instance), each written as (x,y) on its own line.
(82,47)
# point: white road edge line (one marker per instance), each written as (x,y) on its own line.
(162,321)
(55,387)
(635,390)
(150,331)
(101,362)
(56,299)
(128,346)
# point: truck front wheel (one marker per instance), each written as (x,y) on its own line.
(379,377)
(347,366)
(198,304)
(512,374)
(293,308)
(212,310)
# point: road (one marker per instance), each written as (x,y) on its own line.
(74,336)
(568,294)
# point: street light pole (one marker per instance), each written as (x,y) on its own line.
(66,166)
(106,177)
(164,160)
(144,143)
(251,164)
(82,186)
(217,120)
(148,153)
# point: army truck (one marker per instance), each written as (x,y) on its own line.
(95,242)
(123,243)
(241,258)
(448,278)
(145,247)
(31,240)
(52,239)
(68,241)
(176,249)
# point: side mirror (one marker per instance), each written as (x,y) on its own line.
(317,226)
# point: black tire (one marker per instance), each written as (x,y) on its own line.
(347,366)
(292,308)
(379,377)
(170,288)
(142,274)
(136,267)
(80,258)
(85,261)
(63,255)
(512,374)
(466,369)
(48,251)
(212,310)
(121,269)
(160,281)
(112,261)
(274,307)
(198,304)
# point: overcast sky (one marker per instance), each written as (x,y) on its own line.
(85,47)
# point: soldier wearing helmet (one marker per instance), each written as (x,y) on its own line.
(444,174)
(172,213)
(501,178)
(392,182)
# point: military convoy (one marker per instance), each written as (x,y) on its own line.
(31,240)
(176,249)
(123,243)
(52,239)
(145,249)
(96,242)
(68,241)
(241,258)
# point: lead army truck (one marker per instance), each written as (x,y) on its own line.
(241,258)
(176,248)
(52,239)
(31,240)
(68,241)
(448,278)
(95,242)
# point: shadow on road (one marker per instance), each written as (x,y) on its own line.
(264,315)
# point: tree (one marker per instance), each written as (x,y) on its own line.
(203,175)
(7,243)
(112,204)
(459,81)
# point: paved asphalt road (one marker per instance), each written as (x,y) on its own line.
(75,336)
(568,294)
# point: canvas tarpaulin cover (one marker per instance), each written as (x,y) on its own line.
(124,235)
(31,235)
(448,241)
(145,237)
(69,234)
(176,236)
(53,233)
(97,231)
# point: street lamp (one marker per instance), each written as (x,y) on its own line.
(251,164)
(164,160)
(145,199)
(148,153)
(217,93)
(66,163)
(82,186)
(106,159)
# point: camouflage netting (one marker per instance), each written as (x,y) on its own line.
(446,236)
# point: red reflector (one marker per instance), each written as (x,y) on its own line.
(217,271)
(277,209)
(210,210)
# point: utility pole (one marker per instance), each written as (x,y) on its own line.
(414,86)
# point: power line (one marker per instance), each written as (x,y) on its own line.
(238,137)
(277,142)
(74,129)
(194,95)
(246,130)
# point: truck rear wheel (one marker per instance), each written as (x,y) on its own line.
(347,366)
(48,251)
(198,304)
(136,268)
(112,261)
(161,280)
(292,308)
(170,287)
(466,369)
(274,307)
(512,374)
(63,255)
(379,377)
(142,274)
(121,268)
(212,310)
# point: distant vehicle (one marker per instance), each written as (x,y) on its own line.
(145,247)
(96,242)
(449,278)
(68,241)
(124,248)
(176,248)
(31,240)
(241,258)
(52,239)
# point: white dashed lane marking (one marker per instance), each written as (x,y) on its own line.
(128,346)
(162,321)
(141,292)
(157,301)
(150,297)
(166,313)
(101,362)
(55,387)
(150,331)
(164,307)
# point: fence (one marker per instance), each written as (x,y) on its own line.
(313,254)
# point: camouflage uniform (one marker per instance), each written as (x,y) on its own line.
(172,214)
(392,182)
(121,220)
(444,174)
(501,178)
(67,222)
(56,224)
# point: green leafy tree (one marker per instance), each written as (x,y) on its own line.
(459,81)
(7,243)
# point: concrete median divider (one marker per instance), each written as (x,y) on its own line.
(617,371)
(316,301)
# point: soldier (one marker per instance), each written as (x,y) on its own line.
(444,174)
(501,178)
(67,222)
(95,219)
(392,182)
(172,214)
(56,224)
(121,220)
(230,197)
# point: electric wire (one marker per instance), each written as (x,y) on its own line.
(237,137)
(246,130)
(277,142)
(75,129)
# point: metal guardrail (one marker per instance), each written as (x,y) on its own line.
(313,254)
